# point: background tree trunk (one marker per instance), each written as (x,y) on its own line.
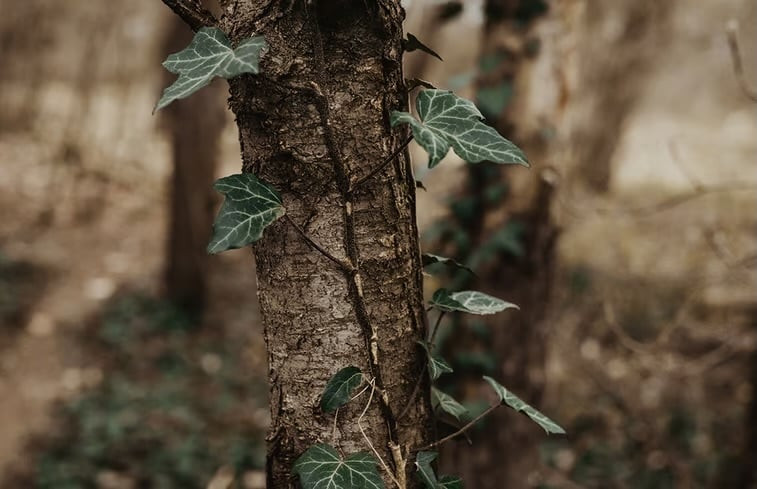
(505,450)
(194,125)
(610,76)
(314,120)
(748,474)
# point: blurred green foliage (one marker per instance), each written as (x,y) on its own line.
(173,407)
(656,453)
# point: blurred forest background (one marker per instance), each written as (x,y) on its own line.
(130,359)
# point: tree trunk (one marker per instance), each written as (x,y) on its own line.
(505,451)
(748,475)
(194,125)
(315,120)
(611,68)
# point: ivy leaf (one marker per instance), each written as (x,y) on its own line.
(447,403)
(250,206)
(469,301)
(209,55)
(339,388)
(412,43)
(510,239)
(429,259)
(494,99)
(515,402)
(450,482)
(426,473)
(447,120)
(436,364)
(321,467)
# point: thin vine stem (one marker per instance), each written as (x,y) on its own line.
(461,430)
(414,394)
(193,14)
(333,434)
(418,382)
(436,327)
(372,383)
(375,171)
(340,263)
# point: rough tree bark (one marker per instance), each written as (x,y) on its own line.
(194,126)
(312,123)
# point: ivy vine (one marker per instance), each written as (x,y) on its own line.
(446,121)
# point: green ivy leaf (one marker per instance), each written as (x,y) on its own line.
(447,403)
(426,473)
(250,206)
(469,301)
(412,43)
(450,482)
(429,259)
(494,99)
(423,461)
(515,402)
(339,388)
(436,364)
(321,467)
(451,121)
(510,239)
(209,55)
(490,62)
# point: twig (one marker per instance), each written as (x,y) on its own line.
(732,30)
(416,389)
(418,382)
(389,159)
(461,430)
(714,234)
(360,393)
(644,211)
(436,327)
(333,434)
(192,13)
(675,157)
(340,263)
(676,200)
(368,440)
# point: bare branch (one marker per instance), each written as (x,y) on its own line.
(372,382)
(643,211)
(463,429)
(191,12)
(732,31)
